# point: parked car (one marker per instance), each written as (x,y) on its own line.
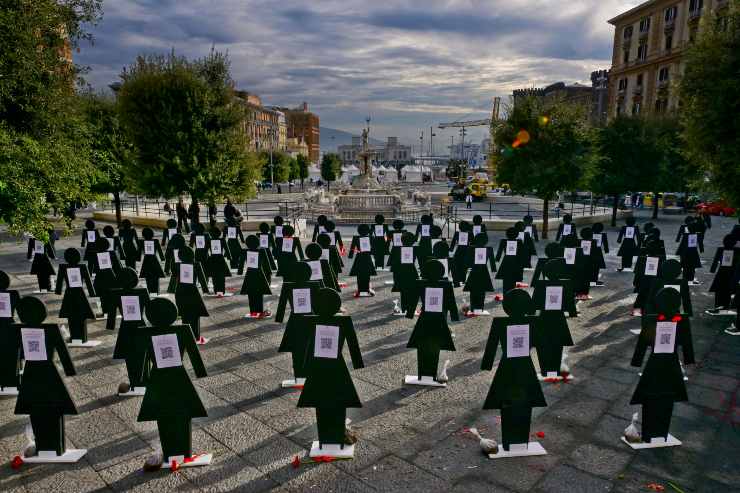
(716,208)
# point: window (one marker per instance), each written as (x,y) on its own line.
(668,42)
(670,13)
(639,80)
(645,24)
(626,58)
(622,84)
(642,51)
(628,32)
(663,75)
(636,108)
(695,6)
(661,105)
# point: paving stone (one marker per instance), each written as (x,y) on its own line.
(565,479)
(600,461)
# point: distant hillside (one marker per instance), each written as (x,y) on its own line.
(331,138)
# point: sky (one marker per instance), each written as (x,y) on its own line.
(408,64)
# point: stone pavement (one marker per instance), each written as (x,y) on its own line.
(411,439)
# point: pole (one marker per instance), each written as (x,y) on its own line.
(272,172)
(431,141)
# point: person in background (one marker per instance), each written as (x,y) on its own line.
(468,200)
(230,212)
(194,213)
(182,216)
(212,214)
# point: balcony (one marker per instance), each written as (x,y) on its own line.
(637,91)
(694,16)
(670,26)
(644,33)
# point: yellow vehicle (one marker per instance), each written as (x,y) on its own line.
(666,199)
(479,191)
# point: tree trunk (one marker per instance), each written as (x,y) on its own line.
(545,217)
(655,205)
(117,201)
(614,209)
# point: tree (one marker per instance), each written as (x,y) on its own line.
(112,153)
(626,157)
(709,92)
(186,126)
(302,163)
(331,168)
(544,147)
(44,153)
(281,166)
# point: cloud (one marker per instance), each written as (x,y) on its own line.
(409,65)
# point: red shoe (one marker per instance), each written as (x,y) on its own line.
(498,297)
(265,314)
(356,294)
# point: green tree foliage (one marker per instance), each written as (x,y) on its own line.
(710,98)
(186,125)
(331,168)
(544,149)
(303,164)
(44,156)
(281,166)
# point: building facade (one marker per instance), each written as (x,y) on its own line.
(391,152)
(304,125)
(573,94)
(261,124)
(649,41)
(296,146)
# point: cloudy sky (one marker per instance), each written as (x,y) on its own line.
(408,64)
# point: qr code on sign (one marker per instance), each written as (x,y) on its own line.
(433,300)
(131,309)
(301,301)
(166,353)
(33,346)
(326,343)
(518,343)
(554,298)
(2,306)
(665,338)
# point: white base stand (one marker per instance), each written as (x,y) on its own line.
(136,391)
(292,383)
(398,314)
(519,450)
(477,313)
(79,343)
(275,286)
(198,460)
(655,443)
(50,456)
(162,295)
(424,381)
(553,376)
(332,450)
(635,331)
(42,291)
(9,391)
(223,295)
(722,313)
(388,283)
(366,294)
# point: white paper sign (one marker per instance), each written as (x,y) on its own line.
(200,241)
(446,265)
(131,308)
(599,239)
(567,228)
(148,247)
(166,351)
(252,260)
(520,236)
(477,228)
(424,230)
(665,337)
(433,300)
(570,256)
(325,253)
(332,239)
(629,232)
(462,238)
(111,244)
(287,245)
(264,241)
(5,311)
(528,230)
(104,260)
(315,270)
(517,341)
(90,236)
(322,229)
(231,233)
(397,239)
(510,247)
(38,247)
(651,266)
(301,301)
(727,258)
(326,343)
(554,298)
(692,241)
(74,278)
(407,255)
(278,231)
(379,230)
(216,247)
(171,232)
(34,344)
(586,247)
(364,244)
(176,256)
(480,256)
(186,273)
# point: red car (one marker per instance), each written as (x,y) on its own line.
(717,208)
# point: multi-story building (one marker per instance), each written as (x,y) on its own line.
(391,152)
(296,146)
(649,41)
(304,125)
(574,94)
(600,102)
(262,124)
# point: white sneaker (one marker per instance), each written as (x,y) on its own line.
(732,330)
